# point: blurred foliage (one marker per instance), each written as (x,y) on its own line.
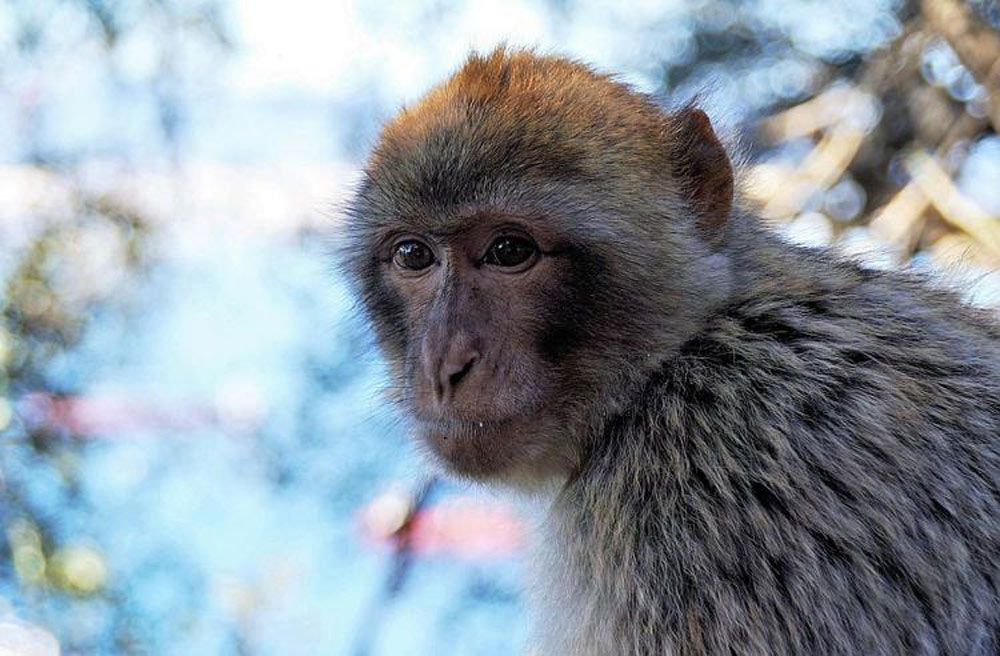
(78,263)
(75,268)
(880,143)
(151,49)
(74,264)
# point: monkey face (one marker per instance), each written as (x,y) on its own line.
(480,320)
(511,330)
(530,241)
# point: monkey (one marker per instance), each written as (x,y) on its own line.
(743,446)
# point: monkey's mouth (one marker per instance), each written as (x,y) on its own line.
(474,448)
(464,428)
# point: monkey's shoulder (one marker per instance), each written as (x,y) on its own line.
(843,324)
(851,352)
(804,452)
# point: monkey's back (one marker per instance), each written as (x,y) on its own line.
(818,471)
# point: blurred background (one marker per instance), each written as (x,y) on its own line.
(194,455)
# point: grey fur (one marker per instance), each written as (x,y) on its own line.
(816,472)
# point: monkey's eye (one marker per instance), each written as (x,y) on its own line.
(413,255)
(510,251)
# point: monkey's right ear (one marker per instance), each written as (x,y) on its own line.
(702,168)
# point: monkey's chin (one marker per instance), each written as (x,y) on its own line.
(481,450)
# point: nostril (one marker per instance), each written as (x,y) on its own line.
(459,358)
(455,378)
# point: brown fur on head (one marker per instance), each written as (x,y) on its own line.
(509,370)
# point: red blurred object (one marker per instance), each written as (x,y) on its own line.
(108,415)
(457,526)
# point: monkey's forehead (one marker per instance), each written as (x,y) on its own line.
(516,114)
(556,213)
(454,206)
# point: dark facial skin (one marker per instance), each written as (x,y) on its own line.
(509,334)
(472,297)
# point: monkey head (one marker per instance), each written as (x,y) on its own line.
(530,241)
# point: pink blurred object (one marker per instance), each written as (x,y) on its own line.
(103,416)
(458,526)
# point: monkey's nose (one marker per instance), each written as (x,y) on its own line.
(458,361)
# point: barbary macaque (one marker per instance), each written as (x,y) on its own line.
(754,447)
